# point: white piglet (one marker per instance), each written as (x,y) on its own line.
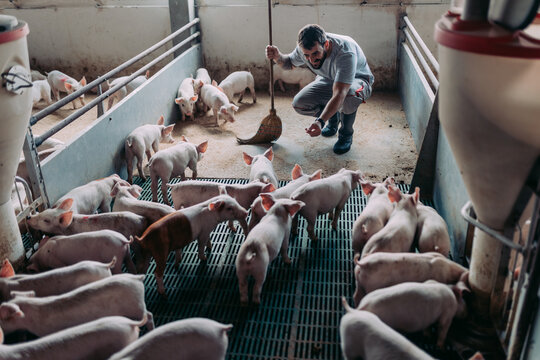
(261,167)
(186,98)
(142,141)
(126,199)
(61,82)
(216,100)
(201,78)
(237,83)
(41,90)
(431,231)
(127,89)
(297,75)
(268,238)
(193,339)
(172,162)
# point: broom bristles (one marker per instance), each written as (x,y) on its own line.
(269,130)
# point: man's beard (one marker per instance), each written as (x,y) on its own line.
(320,63)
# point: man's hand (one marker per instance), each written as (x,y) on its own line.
(272,52)
(314,129)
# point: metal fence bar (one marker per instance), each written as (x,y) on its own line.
(423,62)
(417,37)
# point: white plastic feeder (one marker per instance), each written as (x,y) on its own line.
(15,110)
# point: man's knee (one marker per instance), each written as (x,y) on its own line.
(303,108)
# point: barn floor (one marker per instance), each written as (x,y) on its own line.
(383,145)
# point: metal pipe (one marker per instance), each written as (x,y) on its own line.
(50,109)
(420,42)
(475,10)
(425,65)
(68,120)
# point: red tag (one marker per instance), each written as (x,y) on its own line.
(358,90)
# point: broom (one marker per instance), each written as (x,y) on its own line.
(270,127)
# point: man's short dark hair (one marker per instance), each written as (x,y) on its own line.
(311,34)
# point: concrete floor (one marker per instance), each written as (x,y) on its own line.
(382,146)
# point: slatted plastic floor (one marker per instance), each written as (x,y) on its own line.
(300,306)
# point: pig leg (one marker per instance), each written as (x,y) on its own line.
(243,287)
(105,206)
(231,226)
(155,147)
(154,186)
(161,259)
(215,116)
(193,166)
(177,257)
(241,96)
(260,276)
(129,163)
(283,250)
(442,328)
(164,181)
(254,220)
(294,225)
(149,321)
(82,101)
(337,212)
(253,96)
(359,293)
(128,261)
(244,225)
(203,240)
(140,167)
(281,87)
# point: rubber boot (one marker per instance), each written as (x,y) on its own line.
(331,128)
(345,134)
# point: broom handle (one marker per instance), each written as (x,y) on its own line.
(271,66)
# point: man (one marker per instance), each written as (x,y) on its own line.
(343,81)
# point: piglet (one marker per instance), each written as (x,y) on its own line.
(172,162)
(201,78)
(261,167)
(119,295)
(61,82)
(431,231)
(327,195)
(56,281)
(177,230)
(186,98)
(101,245)
(398,234)
(216,100)
(97,339)
(127,89)
(142,141)
(238,82)
(265,240)
(297,75)
(126,199)
(88,198)
(41,90)
(412,307)
(375,215)
(36,75)
(298,179)
(62,221)
(193,339)
(364,336)
(189,193)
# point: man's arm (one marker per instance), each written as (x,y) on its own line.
(339,92)
(273,53)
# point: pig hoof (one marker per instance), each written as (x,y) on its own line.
(287,261)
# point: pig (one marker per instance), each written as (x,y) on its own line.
(125,90)
(142,141)
(101,245)
(175,231)
(88,198)
(193,339)
(215,99)
(188,193)
(265,240)
(36,75)
(398,233)
(56,281)
(125,199)
(41,90)
(51,143)
(186,98)
(412,307)
(326,195)
(431,231)
(172,162)
(298,179)
(119,295)
(364,336)
(62,221)
(201,77)
(380,270)
(297,75)
(374,216)
(237,82)
(97,339)
(261,167)
(61,82)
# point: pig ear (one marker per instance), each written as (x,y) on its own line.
(216,205)
(183,138)
(65,219)
(293,208)
(194,98)
(247,158)
(161,120)
(68,86)
(267,201)
(416,196)
(269,154)
(83,81)
(200,84)
(7,270)
(135,190)
(168,129)
(389,181)
(316,175)
(222,190)
(1,336)
(394,194)
(202,146)
(214,82)
(268,188)
(66,204)
(10,311)
(147,75)
(114,190)
(296,172)
(367,187)
(178,100)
